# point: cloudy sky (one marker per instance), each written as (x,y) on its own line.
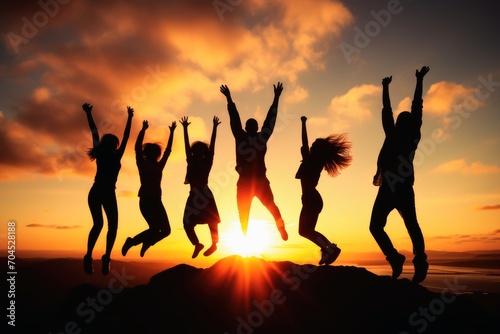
(167,59)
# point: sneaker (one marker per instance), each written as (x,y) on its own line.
(87,265)
(329,255)
(324,255)
(197,250)
(126,246)
(105,264)
(283,233)
(396,261)
(421,267)
(211,250)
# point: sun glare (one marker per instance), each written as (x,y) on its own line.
(256,242)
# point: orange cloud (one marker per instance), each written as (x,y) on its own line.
(462,167)
(297,94)
(444,97)
(154,58)
(354,106)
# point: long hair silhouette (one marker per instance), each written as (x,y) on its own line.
(108,145)
(333,152)
(107,152)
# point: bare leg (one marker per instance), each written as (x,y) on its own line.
(265,195)
(244,201)
(214,233)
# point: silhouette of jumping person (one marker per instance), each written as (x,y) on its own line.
(395,176)
(200,205)
(331,154)
(150,167)
(107,153)
(251,148)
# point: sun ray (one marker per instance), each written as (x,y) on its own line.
(257,242)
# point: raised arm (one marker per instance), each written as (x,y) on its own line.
(216,123)
(126,133)
(387,115)
(185,124)
(272,114)
(386,101)
(168,149)
(234,116)
(93,128)
(420,78)
(140,139)
(305,142)
(225,91)
(416,106)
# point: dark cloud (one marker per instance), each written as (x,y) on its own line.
(114,53)
(490,207)
(57,227)
(468,238)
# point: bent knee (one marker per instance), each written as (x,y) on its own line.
(376,228)
(305,232)
(165,232)
(97,224)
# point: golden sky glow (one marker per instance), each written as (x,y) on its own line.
(167,59)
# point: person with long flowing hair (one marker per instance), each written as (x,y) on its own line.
(331,154)
(107,152)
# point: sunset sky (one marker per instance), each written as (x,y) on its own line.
(167,59)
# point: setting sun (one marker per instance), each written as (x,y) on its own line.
(256,242)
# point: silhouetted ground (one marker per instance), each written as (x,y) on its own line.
(242,295)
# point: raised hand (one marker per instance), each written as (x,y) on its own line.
(303,119)
(278,89)
(173,126)
(87,107)
(423,71)
(130,111)
(386,81)
(224,90)
(145,125)
(184,121)
(216,121)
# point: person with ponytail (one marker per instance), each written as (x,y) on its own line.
(331,154)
